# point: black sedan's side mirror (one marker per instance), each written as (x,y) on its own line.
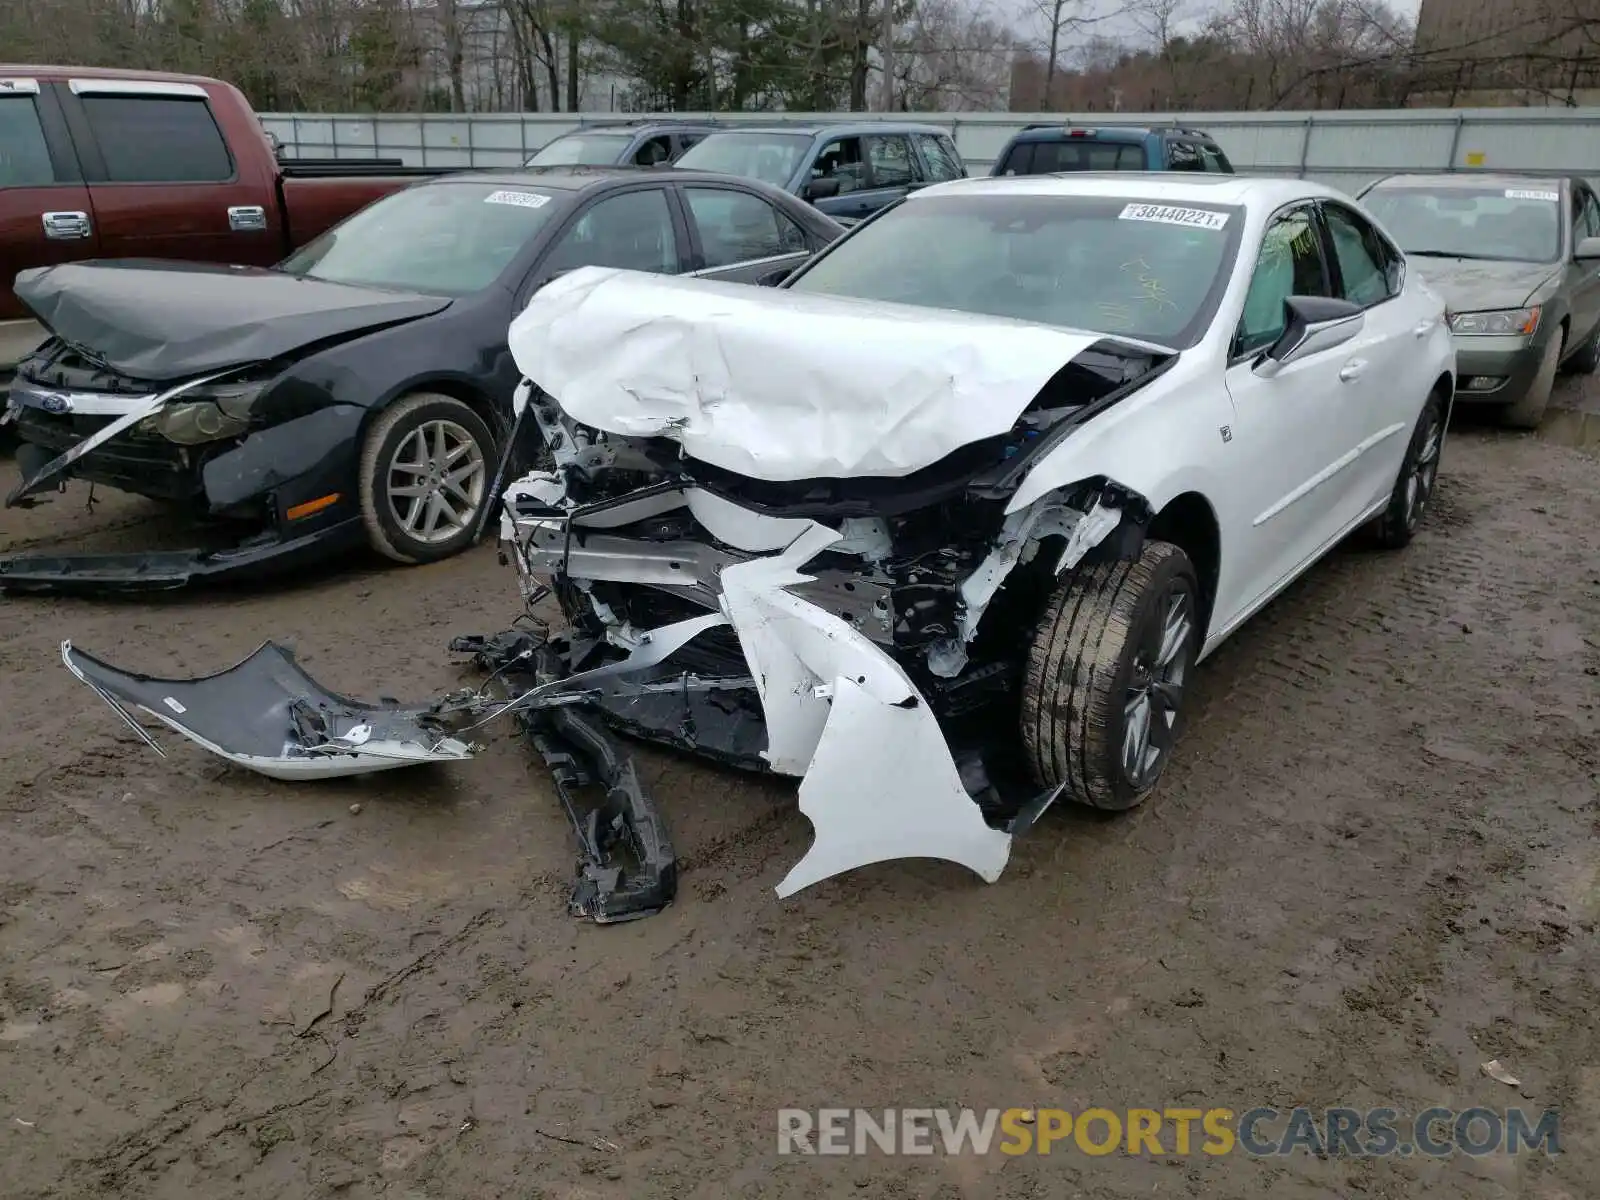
(1312,324)
(824,188)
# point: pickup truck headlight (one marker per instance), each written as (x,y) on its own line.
(207,415)
(1499,322)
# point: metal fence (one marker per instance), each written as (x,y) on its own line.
(1345,149)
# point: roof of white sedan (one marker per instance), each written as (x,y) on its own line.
(1160,187)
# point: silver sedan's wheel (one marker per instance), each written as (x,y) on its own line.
(425,472)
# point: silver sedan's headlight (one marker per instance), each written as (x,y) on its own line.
(1498,322)
(207,414)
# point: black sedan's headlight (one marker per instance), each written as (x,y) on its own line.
(207,414)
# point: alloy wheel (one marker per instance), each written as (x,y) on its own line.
(436,481)
(1155,690)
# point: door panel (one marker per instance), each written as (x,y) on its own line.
(40,185)
(1583,278)
(1295,426)
(162,179)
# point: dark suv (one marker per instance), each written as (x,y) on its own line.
(645,143)
(1045,149)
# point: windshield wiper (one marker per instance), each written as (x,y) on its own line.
(1452,254)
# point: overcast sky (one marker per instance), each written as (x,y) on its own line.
(1026,18)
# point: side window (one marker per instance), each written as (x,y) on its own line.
(1215,160)
(687,139)
(1184,156)
(1588,216)
(656,150)
(841,159)
(632,230)
(1364,257)
(892,162)
(1289,264)
(158,139)
(736,227)
(1020,160)
(24,156)
(940,155)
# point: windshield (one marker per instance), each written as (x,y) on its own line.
(445,238)
(1108,265)
(771,157)
(582,149)
(1512,224)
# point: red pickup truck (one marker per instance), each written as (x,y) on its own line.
(134,164)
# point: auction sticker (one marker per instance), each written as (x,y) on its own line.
(520,199)
(1166,214)
(1520,194)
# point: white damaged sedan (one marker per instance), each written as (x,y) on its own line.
(964,500)
(941,524)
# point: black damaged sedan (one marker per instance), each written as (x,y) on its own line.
(358,394)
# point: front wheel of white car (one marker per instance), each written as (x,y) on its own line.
(1106,676)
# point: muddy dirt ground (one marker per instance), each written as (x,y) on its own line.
(1372,867)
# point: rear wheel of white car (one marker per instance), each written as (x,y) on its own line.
(1528,411)
(425,478)
(1413,487)
(1106,675)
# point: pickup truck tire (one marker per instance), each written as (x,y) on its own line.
(1106,673)
(1413,487)
(426,467)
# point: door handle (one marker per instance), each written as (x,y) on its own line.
(247,218)
(1351,371)
(66,226)
(1422,328)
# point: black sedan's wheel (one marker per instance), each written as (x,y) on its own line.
(1413,487)
(1106,676)
(426,469)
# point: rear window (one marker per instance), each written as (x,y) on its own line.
(24,157)
(158,139)
(1078,154)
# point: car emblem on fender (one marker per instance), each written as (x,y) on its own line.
(55,402)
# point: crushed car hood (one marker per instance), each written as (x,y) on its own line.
(156,320)
(780,385)
(1472,284)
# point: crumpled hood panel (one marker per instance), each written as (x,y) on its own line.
(779,385)
(162,321)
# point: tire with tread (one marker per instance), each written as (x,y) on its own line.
(1586,361)
(1080,666)
(1394,529)
(382,441)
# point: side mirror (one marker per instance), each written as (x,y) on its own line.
(824,188)
(1587,248)
(774,277)
(1312,324)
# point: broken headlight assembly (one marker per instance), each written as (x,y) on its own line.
(207,415)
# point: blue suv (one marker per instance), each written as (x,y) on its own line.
(848,171)
(1046,149)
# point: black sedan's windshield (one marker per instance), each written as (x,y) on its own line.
(449,238)
(1512,224)
(1109,265)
